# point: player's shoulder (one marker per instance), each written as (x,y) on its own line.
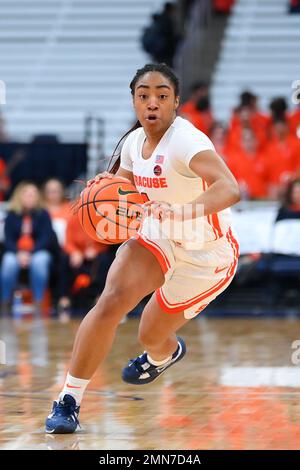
(182,128)
(134,135)
(132,141)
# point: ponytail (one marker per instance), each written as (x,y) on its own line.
(117,151)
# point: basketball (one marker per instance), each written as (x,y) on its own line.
(110,210)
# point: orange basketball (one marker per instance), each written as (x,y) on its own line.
(110,210)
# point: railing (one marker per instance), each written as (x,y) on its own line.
(94,138)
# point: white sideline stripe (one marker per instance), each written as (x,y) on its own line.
(260,376)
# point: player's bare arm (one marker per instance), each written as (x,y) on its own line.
(223,190)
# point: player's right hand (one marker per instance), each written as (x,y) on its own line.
(99,177)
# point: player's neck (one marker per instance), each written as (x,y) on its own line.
(153,138)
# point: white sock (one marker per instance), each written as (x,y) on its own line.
(74,387)
(158,363)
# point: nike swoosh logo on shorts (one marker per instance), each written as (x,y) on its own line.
(217,270)
(124,193)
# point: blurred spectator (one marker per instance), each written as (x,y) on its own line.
(58,207)
(184,8)
(284,264)
(80,266)
(218,136)
(223,7)
(247,164)
(282,157)
(249,99)
(4,180)
(152,40)
(197,109)
(278,108)
(247,115)
(294,6)
(160,38)
(4,137)
(290,209)
(294,119)
(29,240)
(6,170)
(198,90)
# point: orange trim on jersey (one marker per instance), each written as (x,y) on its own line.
(216,224)
(204,185)
(213,219)
(178,307)
(155,250)
(211,224)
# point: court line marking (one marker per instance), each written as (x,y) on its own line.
(222,393)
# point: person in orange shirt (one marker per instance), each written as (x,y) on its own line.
(282,158)
(218,136)
(198,91)
(294,119)
(80,265)
(247,165)
(247,115)
(197,108)
(279,111)
(57,206)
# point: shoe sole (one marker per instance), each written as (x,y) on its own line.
(59,430)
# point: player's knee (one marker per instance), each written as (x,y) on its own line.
(111,303)
(147,339)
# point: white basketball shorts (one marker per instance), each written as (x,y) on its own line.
(193,278)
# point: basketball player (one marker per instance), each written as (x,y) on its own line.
(170,161)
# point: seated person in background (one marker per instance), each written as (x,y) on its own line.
(247,165)
(197,109)
(4,180)
(294,119)
(275,238)
(198,90)
(29,240)
(290,208)
(223,7)
(4,137)
(285,262)
(279,112)
(80,266)
(58,207)
(218,136)
(294,6)
(247,115)
(281,157)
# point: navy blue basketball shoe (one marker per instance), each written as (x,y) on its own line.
(139,371)
(64,417)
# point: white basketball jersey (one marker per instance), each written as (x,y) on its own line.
(166,175)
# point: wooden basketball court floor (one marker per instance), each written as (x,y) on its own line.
(237,388)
